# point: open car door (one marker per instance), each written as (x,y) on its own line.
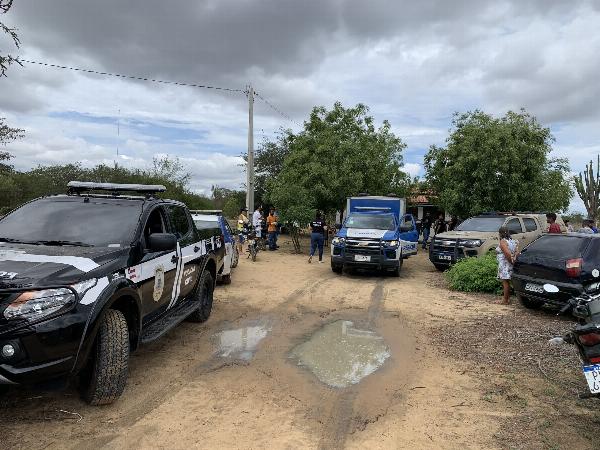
(409,237)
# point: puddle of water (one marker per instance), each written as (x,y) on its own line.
(240,343)
(340,355)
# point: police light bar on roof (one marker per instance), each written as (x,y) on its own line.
(81,186)
(373,208)
(217,212)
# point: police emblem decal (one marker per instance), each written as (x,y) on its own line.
(159,283)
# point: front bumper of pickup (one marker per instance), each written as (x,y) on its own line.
(43,350)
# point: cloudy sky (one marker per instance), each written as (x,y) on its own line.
(412,63)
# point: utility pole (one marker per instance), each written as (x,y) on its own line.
(250,165)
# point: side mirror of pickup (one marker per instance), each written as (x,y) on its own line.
(162,242)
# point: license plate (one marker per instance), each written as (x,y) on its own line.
(445,257)
(532,287)
(592,375)
(362,258)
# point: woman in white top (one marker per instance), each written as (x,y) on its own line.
(506,254)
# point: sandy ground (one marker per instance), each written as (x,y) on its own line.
(445,385)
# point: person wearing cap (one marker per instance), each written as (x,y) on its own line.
(241,224)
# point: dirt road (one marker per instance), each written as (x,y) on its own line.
(458,371)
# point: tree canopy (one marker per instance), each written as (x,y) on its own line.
(501,164)
(339,153)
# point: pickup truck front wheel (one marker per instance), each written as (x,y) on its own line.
(337,268)
(204,296)
(106,376)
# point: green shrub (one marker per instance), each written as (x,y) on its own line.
(475,275)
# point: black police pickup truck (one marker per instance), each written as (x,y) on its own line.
(87,277)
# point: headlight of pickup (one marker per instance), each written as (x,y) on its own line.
(338,241)
(470,243)
(34,305)
(390,243)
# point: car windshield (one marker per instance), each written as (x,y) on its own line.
(206,224)
(60,221)
(558,247)
(371,221)
(481,224)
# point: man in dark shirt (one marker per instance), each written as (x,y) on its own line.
(426,224)
(317,237)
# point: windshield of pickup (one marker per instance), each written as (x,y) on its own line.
(95,222)
(481,224)
(371,221)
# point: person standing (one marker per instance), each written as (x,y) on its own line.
(317,237)
(586,227)
(453,223)
(272,229)
(257,218)
(506,254)
(569,226)
(242,222)
(426,229)
(440,225)
(553,227)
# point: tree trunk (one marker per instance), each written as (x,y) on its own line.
(588,188)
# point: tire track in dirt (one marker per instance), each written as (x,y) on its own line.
(162,393)
(341,412)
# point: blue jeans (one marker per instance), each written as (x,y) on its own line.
(317,240)
(272,240)
(425,236)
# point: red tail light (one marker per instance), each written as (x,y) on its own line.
(589,339)
(573,267)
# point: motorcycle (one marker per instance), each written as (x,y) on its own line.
(585,336)
(253,246)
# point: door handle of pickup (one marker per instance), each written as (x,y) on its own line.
(174,259)
(196,249)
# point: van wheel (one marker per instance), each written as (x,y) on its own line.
(107,374)
(530,303)
(203,295)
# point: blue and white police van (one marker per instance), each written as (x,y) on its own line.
(376,234)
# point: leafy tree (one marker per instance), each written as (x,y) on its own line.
(19,187)
(7,59)
(339,153)
(7,134)
(588,188)
(498,164)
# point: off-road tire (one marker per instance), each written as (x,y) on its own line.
(203,295)
(397,270)
(530,303)
(235,259)
(441,267)
(226,279)
(108,369)
(337,268)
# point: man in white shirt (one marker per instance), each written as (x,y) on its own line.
(257,221)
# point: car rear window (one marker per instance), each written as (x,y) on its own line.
(558,247)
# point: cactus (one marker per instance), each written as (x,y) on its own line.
(588,188)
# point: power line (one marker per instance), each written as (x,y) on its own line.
(277,110)
(131,77)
